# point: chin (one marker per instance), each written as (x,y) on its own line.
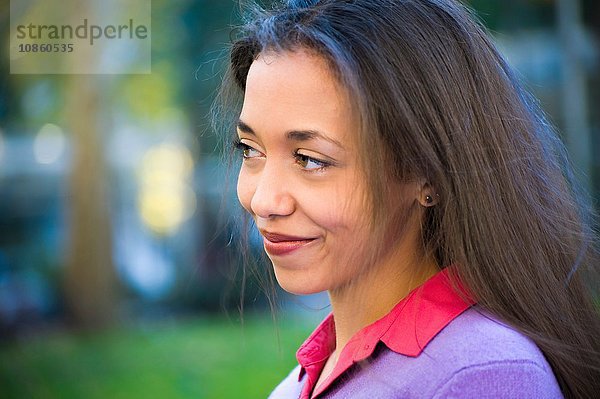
(294,283)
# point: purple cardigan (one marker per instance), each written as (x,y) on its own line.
(474,356)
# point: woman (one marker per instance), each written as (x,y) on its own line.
(391,159)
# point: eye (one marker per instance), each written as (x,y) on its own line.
(247,151)
(310,163)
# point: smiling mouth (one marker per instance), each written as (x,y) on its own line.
(279,244)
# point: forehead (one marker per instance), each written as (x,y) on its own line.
(292,90)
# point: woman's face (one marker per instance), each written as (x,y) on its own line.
(300,178)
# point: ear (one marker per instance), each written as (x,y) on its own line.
(426,195)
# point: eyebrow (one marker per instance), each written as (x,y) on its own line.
(294,135)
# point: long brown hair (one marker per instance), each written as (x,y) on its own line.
(438,102)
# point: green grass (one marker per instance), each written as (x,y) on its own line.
(209,358)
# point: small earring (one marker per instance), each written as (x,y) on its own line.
(429,199)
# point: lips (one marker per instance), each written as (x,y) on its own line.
(282,244)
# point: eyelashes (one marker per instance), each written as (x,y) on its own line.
(245,149)
(306,162)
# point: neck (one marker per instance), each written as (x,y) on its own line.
(374,294)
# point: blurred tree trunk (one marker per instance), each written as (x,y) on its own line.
(90,283)
(574,95)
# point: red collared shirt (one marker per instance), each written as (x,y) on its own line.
(406,329)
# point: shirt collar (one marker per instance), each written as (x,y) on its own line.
(406,330)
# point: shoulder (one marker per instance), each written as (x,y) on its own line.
(500,379)
(478,336)
(476,356)
(290,387)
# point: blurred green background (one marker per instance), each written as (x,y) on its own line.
(119,274)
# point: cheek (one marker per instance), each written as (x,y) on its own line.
(245,190)
(338,209)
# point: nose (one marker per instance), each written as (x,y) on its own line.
(272,196)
